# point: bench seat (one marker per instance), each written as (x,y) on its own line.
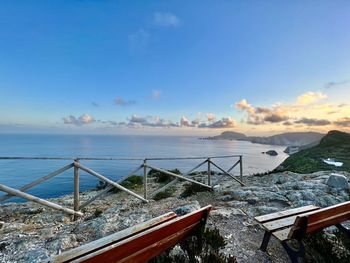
(296,223)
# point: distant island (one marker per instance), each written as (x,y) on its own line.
(309,151)
(294,140)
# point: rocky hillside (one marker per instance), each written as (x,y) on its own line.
(229,135)
(34,233)
(292,138)
(335,145)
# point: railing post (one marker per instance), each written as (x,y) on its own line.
(145,178)
(76,187)
(241,167)
(209,172)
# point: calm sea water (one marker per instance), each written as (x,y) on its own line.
(16,173)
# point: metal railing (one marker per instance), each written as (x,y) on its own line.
(145,166)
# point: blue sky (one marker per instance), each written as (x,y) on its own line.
(174,67)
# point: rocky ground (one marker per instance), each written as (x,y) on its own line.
(32,233)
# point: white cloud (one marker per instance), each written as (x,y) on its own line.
(245,106)
(166,19)
(260,115)
(83,119)
(223,123)
(310,97)
(211,117)
(185,121)
(137,119)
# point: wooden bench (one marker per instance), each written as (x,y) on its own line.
(139,243)
(295,223)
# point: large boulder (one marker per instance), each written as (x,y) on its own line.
(337,181)
(272,153)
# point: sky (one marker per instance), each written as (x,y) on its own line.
(174,67)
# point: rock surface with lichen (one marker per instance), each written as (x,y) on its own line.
(32,233)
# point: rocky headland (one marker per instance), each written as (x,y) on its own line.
(287,139)
(31,233)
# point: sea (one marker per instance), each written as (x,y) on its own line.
(17,173)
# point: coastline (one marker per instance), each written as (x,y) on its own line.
(31,231)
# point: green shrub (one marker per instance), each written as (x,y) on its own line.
(162,177)
(133,182)
(324,248)
(191,189)
(202,247)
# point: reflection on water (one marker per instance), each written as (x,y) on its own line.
(16,173)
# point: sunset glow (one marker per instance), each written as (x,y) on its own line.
(161,68)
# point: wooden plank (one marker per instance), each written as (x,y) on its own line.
(99,176)
(284,222)
(144,246)
(178,176)
(282,235)
(328,216)
(326,222)
(320,219)
(280,223)
(76,188)
(241,168)
(109,187)
(108,240)
(158,247)
(145,179)
(209,172)
(285,213)
(38,200)
(39,181)
(233,166)
(233,177)
(173,182)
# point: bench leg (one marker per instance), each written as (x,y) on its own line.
(293,254)
(344,230)
(265,241)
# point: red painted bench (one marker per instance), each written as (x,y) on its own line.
(139,243)
(295,223)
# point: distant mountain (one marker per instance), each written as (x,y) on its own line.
(291,138)
(335,145)
(229,135)
(288,139)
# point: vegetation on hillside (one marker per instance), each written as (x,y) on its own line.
(335,144)
(204,247)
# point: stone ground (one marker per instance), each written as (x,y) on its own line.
(32,233)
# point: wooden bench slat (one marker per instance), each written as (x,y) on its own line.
(104,241)
(282,235)
(286,213)
(147,244)
(278,224)
(328,216)
(320,219)
(323,223)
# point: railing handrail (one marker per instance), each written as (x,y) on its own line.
(76,165)
(116,158)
